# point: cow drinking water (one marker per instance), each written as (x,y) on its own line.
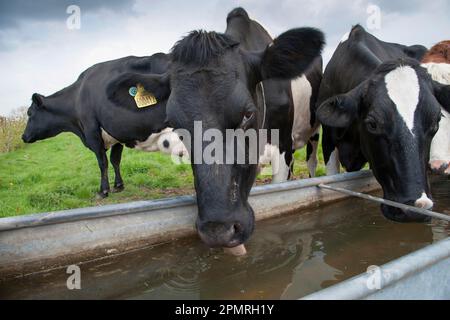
(213,81)
(382,107)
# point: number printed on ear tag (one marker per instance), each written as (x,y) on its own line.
(144,98)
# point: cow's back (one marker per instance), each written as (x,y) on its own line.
(124,121)
(356,57)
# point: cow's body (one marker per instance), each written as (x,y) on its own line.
(305,129)
(289,104)
(378,105)
(437,62)
(84,109)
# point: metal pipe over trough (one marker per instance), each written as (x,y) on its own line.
(42,241)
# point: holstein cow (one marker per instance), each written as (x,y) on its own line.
(437,62)
(289,104)
(213,80)
(84,109)
(385,110)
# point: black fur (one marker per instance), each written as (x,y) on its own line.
(442,94)
(292,53)
(237,12)
(117,89)
(199,47)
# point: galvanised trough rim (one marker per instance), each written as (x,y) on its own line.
(48,218)
(422,274)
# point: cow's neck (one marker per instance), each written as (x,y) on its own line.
(66,118)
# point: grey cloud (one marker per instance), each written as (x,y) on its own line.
(13,12)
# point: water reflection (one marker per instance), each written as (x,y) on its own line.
(288,258)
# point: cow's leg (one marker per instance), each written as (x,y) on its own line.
(96,144)
(311,154)
(282,162)
(330,152)
(281,167)
(115,158)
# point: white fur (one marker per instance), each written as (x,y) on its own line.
(424,202)
(108,140)
(176,146)
(333,164)
(440,146)
(301,96)
(280,169)
(403,89)
(439,71)
(153,143)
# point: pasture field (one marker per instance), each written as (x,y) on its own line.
(60,173)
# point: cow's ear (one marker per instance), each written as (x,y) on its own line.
(341,110)
(291,53)
(37,99)
(118,89)
(442,94)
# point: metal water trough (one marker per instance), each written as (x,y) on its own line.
(43,241)
(423,274)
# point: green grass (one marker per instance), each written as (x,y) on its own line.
(60,173)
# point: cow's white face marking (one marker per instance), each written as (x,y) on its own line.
(301,96)
(403,89)
(424,202)
(333,164)
(440,146)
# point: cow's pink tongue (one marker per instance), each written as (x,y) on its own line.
(237,251)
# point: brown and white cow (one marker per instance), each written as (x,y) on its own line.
(437,62)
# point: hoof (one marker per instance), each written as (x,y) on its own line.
(118,189)
(101,195)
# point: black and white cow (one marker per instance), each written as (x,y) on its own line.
(213,80)
(437,62)
(84,109)
(289,104)
(380,106)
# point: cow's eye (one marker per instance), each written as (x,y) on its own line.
(248,120)
(372,125)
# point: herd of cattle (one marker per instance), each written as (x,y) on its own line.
(380,103)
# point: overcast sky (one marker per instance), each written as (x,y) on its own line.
(39,53)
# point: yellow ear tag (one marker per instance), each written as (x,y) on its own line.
(143,98)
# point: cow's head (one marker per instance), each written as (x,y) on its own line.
(396,113)
(214,81)
(42,122)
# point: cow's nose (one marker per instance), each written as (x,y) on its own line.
(424,202)
(220,234)
(25,138)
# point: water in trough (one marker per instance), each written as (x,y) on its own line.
(288,258)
